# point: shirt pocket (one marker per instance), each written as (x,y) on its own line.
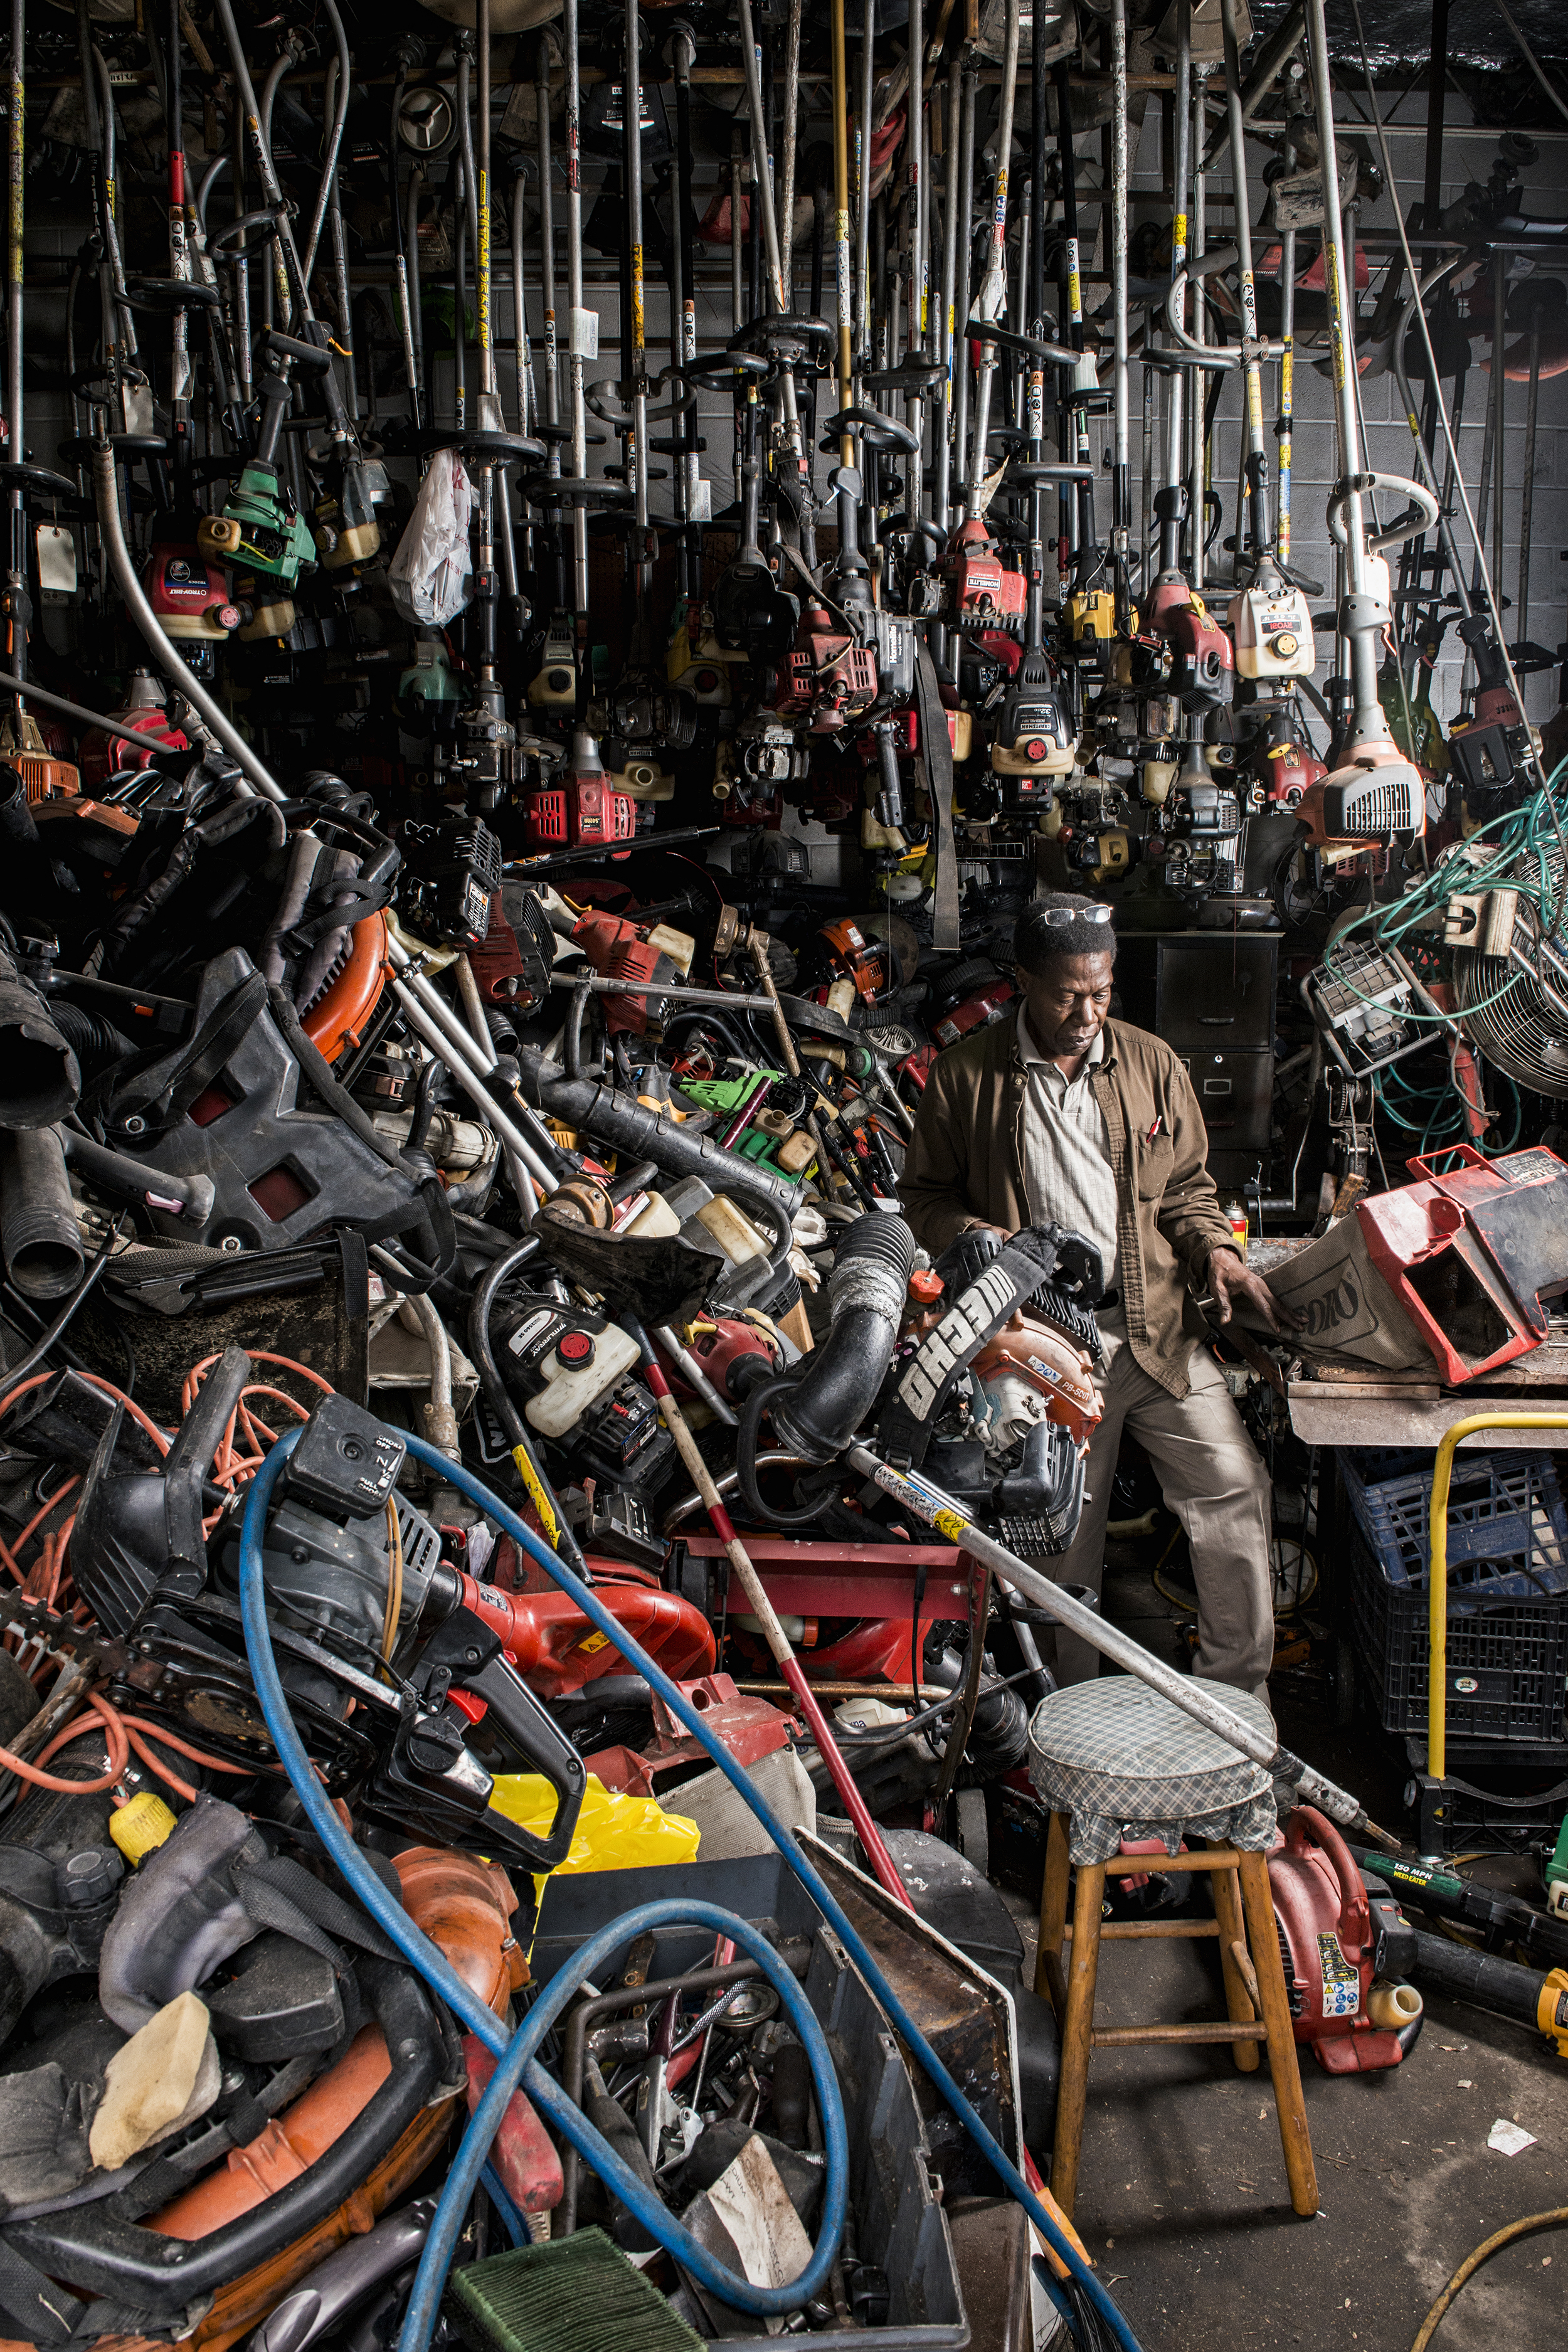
(1156,1158)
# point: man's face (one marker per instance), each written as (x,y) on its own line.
(1067,1001)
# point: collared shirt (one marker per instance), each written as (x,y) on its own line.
(1067,1172)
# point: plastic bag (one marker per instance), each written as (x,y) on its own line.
(430,573)
(613,1832)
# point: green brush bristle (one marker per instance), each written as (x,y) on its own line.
(574,2294)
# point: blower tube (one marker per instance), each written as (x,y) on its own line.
(866,1294)
(818,1412)
(42,1079)
(1466,1974)
(39,1236)
(542,2089)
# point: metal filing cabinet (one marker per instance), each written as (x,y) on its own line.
(1210,995)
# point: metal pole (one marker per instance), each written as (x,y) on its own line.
(1120,488)
(1256,461)
(635,328)
(547,244)
(15,420)
(786,165)
(1203,1701)
(991,300)
(947,347)
(575,297)
(1363,617)
(845,299)
(962,202)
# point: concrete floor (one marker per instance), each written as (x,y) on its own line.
(1182,2198)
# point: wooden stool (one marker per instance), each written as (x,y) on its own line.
(1253,1990)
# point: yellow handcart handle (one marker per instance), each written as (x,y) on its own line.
(1442,1478)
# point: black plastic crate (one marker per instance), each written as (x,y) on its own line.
(1508,1522)
(1507,1660)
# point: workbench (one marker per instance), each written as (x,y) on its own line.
(1331,1402)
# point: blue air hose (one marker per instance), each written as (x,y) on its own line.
(514,2054)
(433,1965)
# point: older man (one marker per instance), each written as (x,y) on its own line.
(1063,1114)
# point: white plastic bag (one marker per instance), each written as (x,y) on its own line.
(430,573)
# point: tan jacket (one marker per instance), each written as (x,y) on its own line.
(965,1166)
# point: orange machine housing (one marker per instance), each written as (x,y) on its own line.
(464,1905)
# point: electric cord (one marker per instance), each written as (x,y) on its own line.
(15,1373)
(437,1971)
(1472,2264)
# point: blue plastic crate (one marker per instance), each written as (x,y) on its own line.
(1507,1660)
(1508,1522)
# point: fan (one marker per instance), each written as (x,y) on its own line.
(1515,1005)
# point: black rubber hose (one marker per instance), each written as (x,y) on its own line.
(96,1044)
(424,1107)
(96,2251)
(15,1373)
(747,1439)
(704,1016)
(42,1079)
(866,1294)
(572,1047)
(619,1119)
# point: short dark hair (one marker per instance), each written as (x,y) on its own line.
(1061,923)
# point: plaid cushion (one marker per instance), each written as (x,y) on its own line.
(1124,1762)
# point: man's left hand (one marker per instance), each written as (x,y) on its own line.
(1232,1284)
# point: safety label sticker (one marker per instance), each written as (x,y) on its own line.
(1341,1985)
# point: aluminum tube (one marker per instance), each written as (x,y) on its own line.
(1181,164)
(946,343)
(1257,453)
(633,343)
(575,296)
(991,298)
(262,147)
(453,1058)
(1368,724)
(340,118)
(1199,1699)
(478,1058)
(547,244)
(961,200)
(843,296)
(1120,484)
(106,492)
(469,990)
(519,305)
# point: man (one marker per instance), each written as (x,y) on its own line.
(1061,1114)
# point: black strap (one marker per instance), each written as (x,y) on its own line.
(282,1893)
(995,1296)
(356,1273)
(936,752)
(176,1082)
(46,2312)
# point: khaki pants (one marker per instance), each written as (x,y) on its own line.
(1212,1478)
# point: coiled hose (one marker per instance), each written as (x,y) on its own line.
(431,1964)
(515,2053)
